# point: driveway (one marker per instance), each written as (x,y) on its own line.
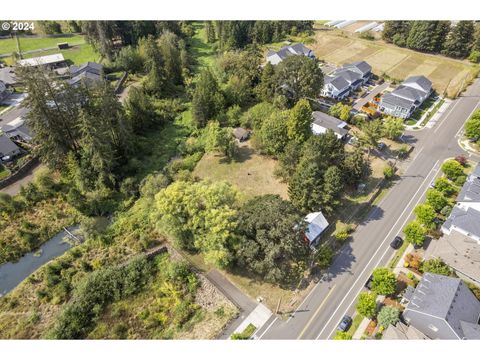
(376,90)
(14,188)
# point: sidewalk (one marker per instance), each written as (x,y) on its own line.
(361,329)
(431,123)
(258,317)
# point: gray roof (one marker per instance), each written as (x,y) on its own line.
(240,133)
(349,75)
(446,298)
(3,87)
(466,220)
(421,81)
(7,75)
(7,146)
(329,122)
(360,66)
(409,93)
(338,82)
(289,50)
(393,100)
(91,67)
(470,331)
(471,189)
(87,77)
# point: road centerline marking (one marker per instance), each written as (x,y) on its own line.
(316,312)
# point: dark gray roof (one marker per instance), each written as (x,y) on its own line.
(87,77)
(338,82)
(90,67)
(465,220)
(289,50)
(3,87)
(393,100)
(421,81)
(349,75)
(329,122)
(240,133)
(471,189)
(360,66)
(470,331)
(409,93)
(7,146)
(446,298)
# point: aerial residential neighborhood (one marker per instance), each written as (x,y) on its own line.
(240,180)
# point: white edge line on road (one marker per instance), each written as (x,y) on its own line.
(379,247)
(468,117)
(268,328)
(446,116)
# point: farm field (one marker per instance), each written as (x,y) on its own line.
(448,75)
(249,172)
(8,46)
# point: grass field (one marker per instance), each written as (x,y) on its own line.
(338,47)
(33,43)
(199,48)
(250,172)
(78,54)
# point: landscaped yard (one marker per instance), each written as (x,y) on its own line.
(250,172)
(336,47)
(78,54)
(8,46)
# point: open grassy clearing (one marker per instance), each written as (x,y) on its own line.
(252,173)
(8,46)
(77,54)
(199,48)
(398,63)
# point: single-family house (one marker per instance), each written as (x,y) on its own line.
(17,129)
(276,57)
(407,97)
(88,73)
(459,247)
(3,91)
(8,147)
(322,122)
(442,307)
(347,79)
(241,134)
(316,225)
(51,61)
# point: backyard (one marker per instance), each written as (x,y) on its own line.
(338,47)
(8,46)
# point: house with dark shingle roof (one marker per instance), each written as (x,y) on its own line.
(322,122)
(347,79)
(276,57)
(8,147)
(407,97)
(443,307)
(88,73)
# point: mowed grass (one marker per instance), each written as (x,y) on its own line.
(251,173)
(200,49)
(33,43)
(447,75)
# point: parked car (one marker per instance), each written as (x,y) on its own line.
(345,323)
(397,242)
(368,284)
(352,140)
(381,146)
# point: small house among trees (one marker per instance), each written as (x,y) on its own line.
(241,134)
(316,226)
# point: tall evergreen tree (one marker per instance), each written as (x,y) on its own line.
(207,99)
(396,32)
(156,79)
(299,120)
(169,47)
(428,36)
(460,40)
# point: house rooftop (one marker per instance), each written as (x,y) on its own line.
(329,122)
(471,189)
(91,67)
(465,220)
(6,145)
(42,60)
(316,225)
(7,75)
(289,50)
(419,81)
(360,66)
(446,298)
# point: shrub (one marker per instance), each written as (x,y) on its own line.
(462,160)
(436,266)
(388,315)
(452,169)
(342,335)
(415,233)
(388,172)
(460,180)
(444,186)
(367,305)
(384,281)
(436,199)
(324,256)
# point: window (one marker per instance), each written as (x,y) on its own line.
(433,327)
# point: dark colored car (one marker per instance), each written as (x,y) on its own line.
(368,284)
(397,242)
(345,323)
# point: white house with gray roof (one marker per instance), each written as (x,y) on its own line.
(316,225)
(276,57)
(443,307)
(8,148)
(346,79)
(407,97)
(322,122)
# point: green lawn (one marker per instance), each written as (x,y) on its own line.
(355,324)
(423,109)
(199,48)
(33,43)
(4,172)
(78,54)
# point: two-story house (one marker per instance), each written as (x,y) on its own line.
(346,79)
(407,97)
(276,57)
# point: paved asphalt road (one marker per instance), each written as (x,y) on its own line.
(320,313)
